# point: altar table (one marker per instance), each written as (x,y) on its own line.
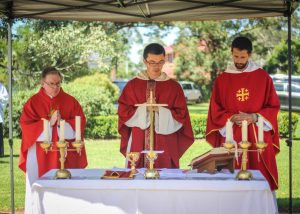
(174,193)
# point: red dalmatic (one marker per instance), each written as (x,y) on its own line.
(41,106)
(174,145)
(248,92)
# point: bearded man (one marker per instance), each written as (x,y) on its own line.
(245,92)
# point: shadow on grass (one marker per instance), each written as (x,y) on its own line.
(1,161)
(283,204)
(7,156)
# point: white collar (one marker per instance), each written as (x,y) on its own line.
(251,66)
(144,76)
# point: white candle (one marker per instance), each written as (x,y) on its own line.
(244,130)
(260,129)
(77,128)
(228,131)
(46,130)
(62,130)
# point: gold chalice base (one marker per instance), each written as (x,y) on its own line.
(151,174)
(244,175)
(62,174)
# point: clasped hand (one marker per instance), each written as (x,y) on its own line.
(238,118)
(55,118)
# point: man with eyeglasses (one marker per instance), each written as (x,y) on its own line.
(53,104)
(173,131)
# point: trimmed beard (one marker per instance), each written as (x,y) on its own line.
(241,66)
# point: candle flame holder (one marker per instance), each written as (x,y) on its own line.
(228,145)
(244,174)
(77,144)
(46,145)
(62,147)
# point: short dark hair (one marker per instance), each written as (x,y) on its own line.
(154,48)
(50,70)
(242,43)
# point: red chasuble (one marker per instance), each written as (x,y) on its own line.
(41,106)
(174,145)
(249,92)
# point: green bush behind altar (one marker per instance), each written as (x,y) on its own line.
(98,96)
(106,127)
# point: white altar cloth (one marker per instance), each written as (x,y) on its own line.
(193,193)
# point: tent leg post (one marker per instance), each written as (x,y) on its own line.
(290,141)
(9,67)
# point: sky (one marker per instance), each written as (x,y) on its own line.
(134,51)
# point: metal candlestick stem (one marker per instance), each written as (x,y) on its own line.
(244,174)
(62,146)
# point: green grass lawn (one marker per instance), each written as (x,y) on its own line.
(105,154)
(200,108)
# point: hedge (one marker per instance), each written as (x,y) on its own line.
(96,94)
(106,127)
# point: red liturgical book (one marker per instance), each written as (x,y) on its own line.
(110,174)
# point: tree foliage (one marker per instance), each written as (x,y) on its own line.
(278,60)
(202,65)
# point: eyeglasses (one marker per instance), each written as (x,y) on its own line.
(160,63)
(53,85)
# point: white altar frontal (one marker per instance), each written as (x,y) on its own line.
(175,193)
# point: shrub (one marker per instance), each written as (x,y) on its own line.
(18,101)
(107,127)
(103,127)
(198,122)
(95,93)
(283,123)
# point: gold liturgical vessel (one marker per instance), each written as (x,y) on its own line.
(133,157)
(151,155)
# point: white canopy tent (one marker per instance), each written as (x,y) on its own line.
(144,11)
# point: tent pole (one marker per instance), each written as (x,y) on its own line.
(289,140)
(9,67)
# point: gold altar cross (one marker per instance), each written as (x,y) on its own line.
(151,155)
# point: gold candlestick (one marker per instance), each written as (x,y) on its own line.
(62,173)
(244,174)
(62,146)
